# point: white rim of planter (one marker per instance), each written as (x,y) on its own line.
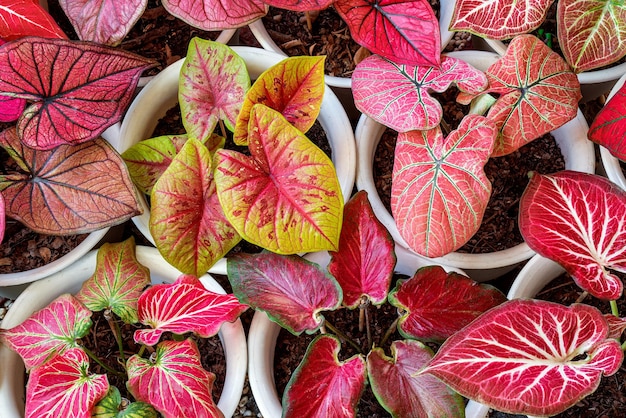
(161,94)
(69,280)
(611,164)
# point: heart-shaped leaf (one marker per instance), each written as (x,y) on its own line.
(439,190)
(291,290)
(578,220)
(20,18)
(403,31)
(112,406)
(609,127)
(524,356)
(11,109)
(300,5)
(216,14)
(322,385)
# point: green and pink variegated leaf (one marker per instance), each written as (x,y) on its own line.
(405,394)
(323,386)
(184,306)
(54,329)
(364,263)
(398,96)
(579,221)
(617,326)
(216,14)
(591,32)
(609,127)
(173,381)
(437,304)
(112,406)
(439,189)
(19,18)
(529,356)
(291,290)
(300,5)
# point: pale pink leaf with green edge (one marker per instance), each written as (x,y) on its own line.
(112,406)
(79,88)
(591,32)
(579,221)
(300,5)
(20,18)
(11,109)
(291,290)
(173,381)
(364,263)
(398,96)
(285,197)
(529,356)
(53,329)
(617,326)
(323,386)
(401,392)
(403,31)
(439,189)
(187,221)
(293,87)
(436,304)
(63,387)
(213,83)
(216,14)
(70,189)
(117,283)
(609,126)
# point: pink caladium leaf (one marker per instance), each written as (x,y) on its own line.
(364,263)
(285,197)
(216,14)
(79,89)
(173,381)
(403,31)
(398,96)
(291,290)
(323,386)
(609,126)
(20,18)
(439,189)
(68,190)
(11,109)
(401,392)
(63,387)
(113,406)
(617,326)
(529,356)
(184,306)
(578,220)
(54,329)
(2,218)
(300,5)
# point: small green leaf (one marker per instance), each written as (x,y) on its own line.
(114,406)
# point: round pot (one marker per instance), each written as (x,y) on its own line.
(69,280)
(609,162)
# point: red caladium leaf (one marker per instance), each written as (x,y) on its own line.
(79,88)
(578,220)
(609,127)
(398,96)
(11,109)
(617,326)
(112,406)
(2,218)
(20,18)
(323,386)
(291,290)
(53,329)
(401,392)
(403,31)
(300,5)
(173,381)
(216,14)
(524,356)
(184,306)
(63,387)
(439,190)
(70,189)
(285,197)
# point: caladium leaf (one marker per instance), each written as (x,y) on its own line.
(20,18)
(323,386)
(524,356)
(403,31)
(401,392)
(609,126)
(285,197)
(2,218)
(113,406)
(70,189)
(439,190)
(216,14)
(79,88)
(300,5)
(173,381)
(11,109)
(291,290)
(578,220)
(437,304)
(398,96)
(617,326)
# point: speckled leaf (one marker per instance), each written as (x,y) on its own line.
(11,109)
(609,127)
(300,5)
(112,407)
(216,14)
(19,18)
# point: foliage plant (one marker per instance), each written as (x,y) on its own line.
(609,126)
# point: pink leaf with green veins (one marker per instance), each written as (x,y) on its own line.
(173,381)
(398,96)
(609,126)
(20,18)
(364,263)
(216,14)
(300,5)
(401,392)
(285,197)
(54,329)
(291,290)
(63,387)
(579,221)
(323,386)
(524,356)
(11,109)
(439,190)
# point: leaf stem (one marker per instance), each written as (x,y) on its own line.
(104,366)
(614,308)
(390,330)
(117,333)
(343,336)
(368,326)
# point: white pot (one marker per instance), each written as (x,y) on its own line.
(611,164)
(40,294)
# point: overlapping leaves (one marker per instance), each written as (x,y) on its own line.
(112,406)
